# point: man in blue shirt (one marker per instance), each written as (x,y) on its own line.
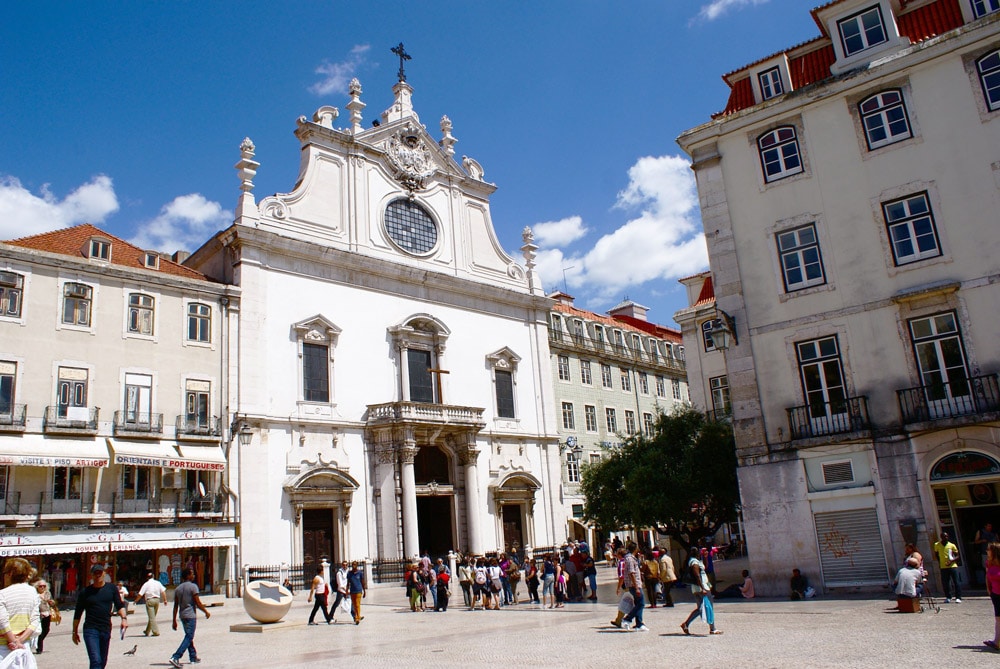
(356,587)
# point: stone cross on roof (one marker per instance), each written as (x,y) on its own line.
(403,56)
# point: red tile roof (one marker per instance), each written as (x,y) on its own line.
(707,294)
(810,65)
(74,242)
(624,322)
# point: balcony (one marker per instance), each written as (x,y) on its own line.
(578,342)
(71,420)
(419,412)
(143,425)
(41,504)
(12,417)
(195,428)
(166,503)
(974,396)
(823,419)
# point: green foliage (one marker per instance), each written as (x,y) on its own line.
(681,479)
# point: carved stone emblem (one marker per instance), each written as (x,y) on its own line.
(410,157)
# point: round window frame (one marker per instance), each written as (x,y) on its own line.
(426,211)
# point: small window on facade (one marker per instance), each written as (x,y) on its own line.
(563,364)
(984,7)
(599,333)
(199,322)
(8,374)
(629,422)
(572,467)
(626,381)
(801,262)
(937,342)
(11,290)
(706,333)
(676,385)
(76,304)
(779,153)
(67,483)
(647,423)
(661,388)
(140,313)
(884,118)
(838,472)
(315,373)
(100,249)
(612,420)
(505,393)
(606,376)
(4,473)
(654,349)
(862,30)
(770,83)
(912,233)
(568,421)
(643,383)
(988,68)
(721,403)
(585,376)
(590,413)
(557,322)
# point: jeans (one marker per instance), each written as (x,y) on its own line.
(188,643)
(320,604)
(593,584)
(949,577)
(333,609)
(636,612)
(467,592)
(97,642)
(508,594)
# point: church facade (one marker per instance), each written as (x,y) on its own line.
(392,375)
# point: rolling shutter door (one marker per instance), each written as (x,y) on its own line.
(850,548)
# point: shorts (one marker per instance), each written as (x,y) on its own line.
(480,589)
(547,584)
(996,605)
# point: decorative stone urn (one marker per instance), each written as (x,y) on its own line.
(266,601)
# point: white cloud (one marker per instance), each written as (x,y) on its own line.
(662,242)
(717,8)
(336,76)
(185,223)
(557,233)
(23,213)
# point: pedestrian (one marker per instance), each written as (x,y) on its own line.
(46,605)
(19,607)
(443,593)
(667,576)
(358,588)
(152,593)
(319,590)
(984,537)
(186,605)
(632,580)
(415,588)
(650,576)
(531,578)
(701,588)
(98,600)
(947,555)
(514,577)
(907,580)
(494,573)
(342,593)
(287,585)
(480,586)
(993,588)
(590,573)
(549,580)
(465,572)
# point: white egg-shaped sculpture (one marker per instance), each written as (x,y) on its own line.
(266,601)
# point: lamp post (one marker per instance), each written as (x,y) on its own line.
(724,331)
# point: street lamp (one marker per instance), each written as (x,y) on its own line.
(724,330)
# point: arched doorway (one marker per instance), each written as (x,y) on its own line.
(432,474)
(321,501)
(515,505)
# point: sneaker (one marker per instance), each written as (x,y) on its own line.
(958,600)
(626,625)
(641,628)
(947,600)
(616,623)
(311,623)
(196,660)
(174,663)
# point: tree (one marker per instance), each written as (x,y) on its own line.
(681,479)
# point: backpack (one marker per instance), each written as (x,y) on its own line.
(480,577)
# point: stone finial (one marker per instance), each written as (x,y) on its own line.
(355,106)
(402,105)
(447,141)
(325,116)
(530,251)
(247,166)
(527,235)
(473,167)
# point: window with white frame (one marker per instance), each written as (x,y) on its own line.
(563,365)
(606,376)
(67,483)
(619,340)
(643,383)
(937,342)
(629,421)
(626,380)
(654,349)
(8,375)
(706,333)
(647,423)
(661,388)
(199,322)
(721,404)
(557,322)
(77,299)
(138,405)
(135,482)
(636,344)
(611,419)
(884,118)
(141,309)
(151,259)
(100,249)
(72,393)
(572,467)
(801,262)
(988,68)
(676,386)
(862,30)
(316,341)
(577,329)
(568,422)
(504,381)
(599,333)
(770,83)
(984,7)
(585,376)
(595,458)
(11,291)
(912,233)
(822,376)
(779,153)
(316,373)
(590,413)
(197,398)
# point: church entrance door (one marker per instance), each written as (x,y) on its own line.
(434,524)
(317,535)
(513,530)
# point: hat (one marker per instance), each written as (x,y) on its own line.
(96,568)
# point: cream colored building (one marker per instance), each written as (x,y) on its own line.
(612,374)
(393,359)
(849,194)
(112,385)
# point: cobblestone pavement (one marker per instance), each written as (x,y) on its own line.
(825,632)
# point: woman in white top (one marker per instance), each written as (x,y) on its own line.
(701,588)
(19,617)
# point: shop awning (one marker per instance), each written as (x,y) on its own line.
(38,542)
(36,450)
(172,538)
(179,544)
(168,454)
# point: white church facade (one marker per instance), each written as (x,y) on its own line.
(392,373)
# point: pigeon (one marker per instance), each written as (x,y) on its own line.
(131,652)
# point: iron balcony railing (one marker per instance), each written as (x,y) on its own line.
(971,396)
(608,348)
(198,426)
(12,503)
(138,423)
(821,419)
(71,419)
(12,416)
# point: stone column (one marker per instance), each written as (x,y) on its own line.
(469,457)
(411,536)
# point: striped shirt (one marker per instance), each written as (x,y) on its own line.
(19,609)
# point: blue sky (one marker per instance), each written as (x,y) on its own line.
(129,115)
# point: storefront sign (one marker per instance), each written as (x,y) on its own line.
(964,465)
(172,463)
(45,461)
(171,539)
(40,543)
